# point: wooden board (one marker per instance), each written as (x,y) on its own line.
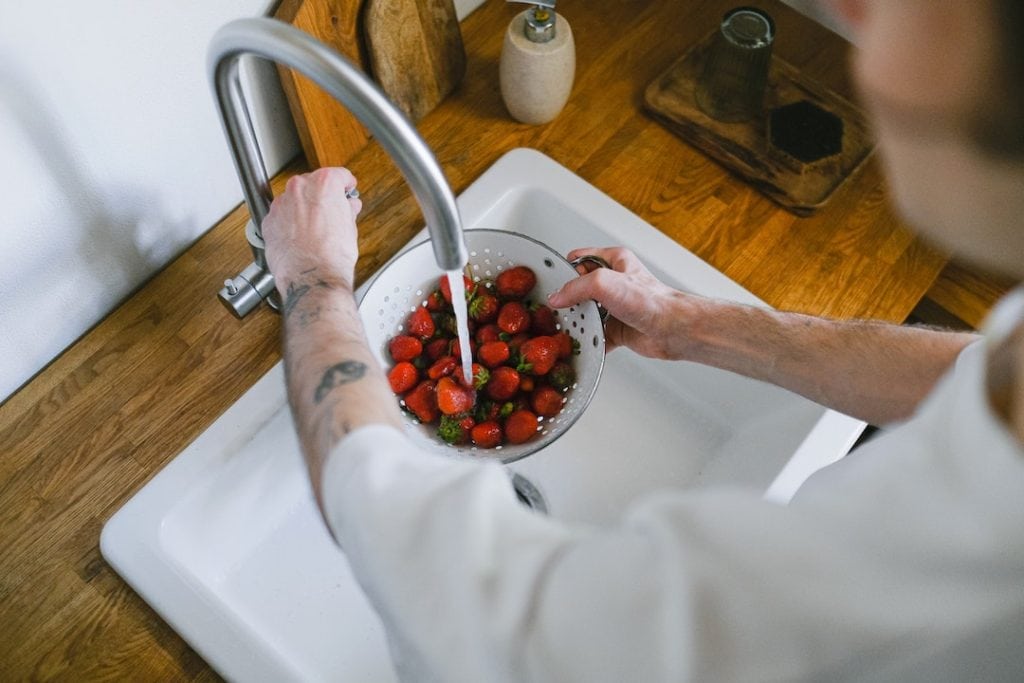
(745,147)
(330,135)
(414,50)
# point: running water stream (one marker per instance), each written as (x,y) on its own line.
(458,289)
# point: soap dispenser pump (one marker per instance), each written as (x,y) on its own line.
(538,63)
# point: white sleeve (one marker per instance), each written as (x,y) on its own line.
(712,585)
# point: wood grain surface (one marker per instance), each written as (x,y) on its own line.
(414,51)
(329,134)
(86,433)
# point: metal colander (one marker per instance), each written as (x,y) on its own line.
(405,281)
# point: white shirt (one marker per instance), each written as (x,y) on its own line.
(903,561)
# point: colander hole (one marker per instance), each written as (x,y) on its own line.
(500,255)
(549,263)
(397,290)
(476,266)
(583,316)
(472,253)
(487,250)
(487,273)
(387,299)
(595,341)
(380,312)
(558,326)
(574,323)
(487,261)
(419,292)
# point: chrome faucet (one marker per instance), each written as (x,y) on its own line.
(282,43)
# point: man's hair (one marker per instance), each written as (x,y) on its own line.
(999,125)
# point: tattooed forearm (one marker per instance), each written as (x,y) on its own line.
(336,375)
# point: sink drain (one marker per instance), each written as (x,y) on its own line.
(527,493)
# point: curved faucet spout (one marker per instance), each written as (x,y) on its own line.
(282,43)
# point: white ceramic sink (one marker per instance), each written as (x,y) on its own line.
(226,543)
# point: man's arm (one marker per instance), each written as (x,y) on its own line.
(334,383)
(874,371)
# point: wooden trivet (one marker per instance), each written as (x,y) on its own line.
(746,149)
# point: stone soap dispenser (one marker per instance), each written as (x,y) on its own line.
(538,63)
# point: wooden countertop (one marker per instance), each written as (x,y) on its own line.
(86,433)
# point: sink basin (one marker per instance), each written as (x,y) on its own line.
(226,542)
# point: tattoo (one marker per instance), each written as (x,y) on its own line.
(293,297)
(336,375)
(306,318)
(295,294)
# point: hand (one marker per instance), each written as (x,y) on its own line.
(312,227)
(644,314)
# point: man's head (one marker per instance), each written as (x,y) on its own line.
(944,83)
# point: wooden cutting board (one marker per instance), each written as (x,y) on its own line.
(330,135)
(412,48)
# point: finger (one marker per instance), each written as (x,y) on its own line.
(357,205)
(619,258)
(594,285)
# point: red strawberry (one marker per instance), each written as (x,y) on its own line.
(437,348)
(480,377)
(487,410)
(404,347)
(513,318)
(515,283)
(516,342)
(566,344)
(446,290)
(543,320)
(487,333)
(457,348)
(492,354)
(403,377)
(453,431)
(484,307)
(504,383)
(452,398)
(435,301)
(526,383)
(520,426)
(442,367)
(420,324)
(546,401)
(538,355)
(486,434)
(422,401)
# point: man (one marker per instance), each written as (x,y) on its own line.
(902,562)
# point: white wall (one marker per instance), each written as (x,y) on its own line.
(112,159)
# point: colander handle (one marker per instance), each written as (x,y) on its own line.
(600,263)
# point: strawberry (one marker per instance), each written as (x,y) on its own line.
(422,401)
(562,376)
(443,366)
(504,383)
(435,301)
(403,377)
(451,430)
(484,307)
(538,355)
(520,426)
(567,346)
(446,290)
(546,401)
(486,434)
(457,348)
(487,333)
(515,283)
(437,348)
(420,324)
(543,320)
(513,318)
(492,354)
(446,324)
(526,383)
(479,379)
(452,398)
(404,347)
